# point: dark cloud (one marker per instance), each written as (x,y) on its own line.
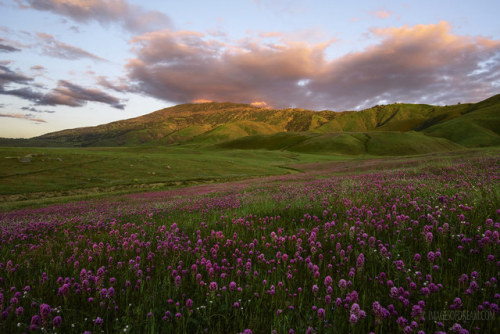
(121,87)
(421,64)
(37,68)
(8,76)
(8,48)
(28,117)
(131,17)
(185,66)
(25,93)
(33,109)
(73,95)
(54,48)
(66,93)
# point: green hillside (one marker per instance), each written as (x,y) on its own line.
(352,143)
(394,129)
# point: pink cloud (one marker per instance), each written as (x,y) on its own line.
(423,63)
(131,17)
(381,14)
(58,49)
(28,117)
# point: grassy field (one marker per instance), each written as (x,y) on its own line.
(384,245)
(37,176)
(41,176)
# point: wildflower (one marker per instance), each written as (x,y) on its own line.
(213,286)
(428,237)
(328,281)
(36,321)
(189,303)
(57,321)
(360,261)
(177,281)
(321,313)
(19,311)
(45,311)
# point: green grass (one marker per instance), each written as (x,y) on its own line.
(352,143)
(383,208)
(82,172)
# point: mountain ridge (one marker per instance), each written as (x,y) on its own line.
(227,124)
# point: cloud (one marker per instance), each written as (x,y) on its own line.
(186,66)
(25,93)
(66,93)
(8,76)
(260,104)
(381,14)
(54,48)
(8,48)
(37,68)
(121,87)
(202,101)
(33,109)
(28,117)
(421,64)
(73,95)
(131,17)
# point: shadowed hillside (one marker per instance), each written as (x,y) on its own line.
(381,130)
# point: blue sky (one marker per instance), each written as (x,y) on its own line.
(73,63)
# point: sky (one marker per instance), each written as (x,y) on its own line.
(75,63)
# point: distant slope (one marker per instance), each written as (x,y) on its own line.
(381,130)
(352,143)
(479,126)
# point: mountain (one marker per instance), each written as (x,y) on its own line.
(387,129)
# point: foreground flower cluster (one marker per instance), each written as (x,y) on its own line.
(414,249)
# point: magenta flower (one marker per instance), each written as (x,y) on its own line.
(328,281)
(57,321)
(45,311)
(19,311)
(360,261)
(177,281)
(321,313)
(189,303)
(428,237)
(36,321)
(213,286)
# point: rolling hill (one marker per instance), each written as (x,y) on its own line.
(394,129)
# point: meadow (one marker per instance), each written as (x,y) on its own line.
(40,176)
(407,245)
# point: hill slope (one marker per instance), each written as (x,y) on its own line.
(389,129)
